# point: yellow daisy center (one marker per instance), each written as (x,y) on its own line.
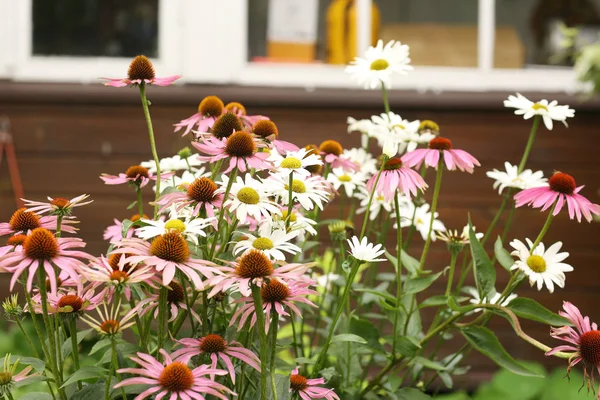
(291,163)
(539,106)
(345,178)
(379,64)
(175,225)
(297,186)
(262,243)
(248,195)
(284,215)
(536,263)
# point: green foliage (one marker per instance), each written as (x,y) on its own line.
(531,309)
(485,274)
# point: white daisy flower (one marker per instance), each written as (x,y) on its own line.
(525,180)
(174,163)
(308,191)
(297,161)
(189,228)
(542,266)
(365,251)
(378,204)
(475,299)
(362,158)
(379,63)
(422,220)
(364,126)
(187,177)
(391,129)
(299,223)
(272,240)
(548,110)
(348,180)
(452,236)
(248,197)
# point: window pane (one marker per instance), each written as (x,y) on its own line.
(110,28)
(439,33)
(530,32)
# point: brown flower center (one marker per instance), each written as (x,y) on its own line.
(265,128)
(16,240)
(175,294)
(176,377)
(5,378)
(119,276)
(331,147)
(202,190)
(236,108)
(562,183)
(313,149)
(212,344)
(440,143)
(41,245)
(392,164)
(254,264)
(136,217)
(58,283)
(240,144)
(71,300)
(298,383)
(110,327)
(211,106)
(60,202)
(589,347)
(137,172)
(171,247)
(226,124)
(23,220)
(274,292)
(141,68)
(113,262)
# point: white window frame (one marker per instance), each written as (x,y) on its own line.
(206,41)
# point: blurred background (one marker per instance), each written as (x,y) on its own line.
(284,59)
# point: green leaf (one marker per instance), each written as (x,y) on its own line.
(416,285)
(434,301)
(518,387)
(37,364)
(485,274)
(427,363)
(90,392)
(66,347)
(125,225)
(411,394)
(29,380)
(502,255)
(411,264)
(384,295)
(487,343)
(408,346)
(532,310)
(304,360)
(348,337)
(36,396)
(129,207)
(558,388)
(88,372)
(328,373)
(100,345)
(454,396)
(366,330)
(282,387)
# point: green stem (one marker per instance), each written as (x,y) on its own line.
(142,88)
(544,228)
(499,213)
(260,326)
(182,278)
(222,212)
(75,347)
(139,325)
(386,103)
(368,210)
(398,273)
(115,365)
(534,128)
(274,326)
(162,317)
(298,345)
(434,203)
(140,201)
(338,313)
(29,342)
(290,200)
(451,273)
(59,219)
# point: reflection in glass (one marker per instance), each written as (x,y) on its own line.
(110,28)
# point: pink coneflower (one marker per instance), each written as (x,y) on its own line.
(23,221)
(115,272)
(453,158)
(583,339)
(209,110)
(561,189)
(173,378)
(396,177)
(218,348)
(72,302)
(135,175)
(114,233)
(57,206)
(41,247)
(141,71)
(331,151)
(175,302)
(275,295)
(201,195)
(110,322)
(307,389)
(167,253)
(252,268)
(14,243)
(267,130)
(240,148)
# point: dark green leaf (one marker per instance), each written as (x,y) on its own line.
(366,330)
(531,309)
(36,396)
(88,372)
(348,337)
(416,285)
(90,392)
(487,343)
(411,264)
(29,380)
(434,301)
(411,394)
(485,274)
(502,255)
(282,387)
(408,346)
(66,347)
(100,345)
(328,373)
(427,363)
